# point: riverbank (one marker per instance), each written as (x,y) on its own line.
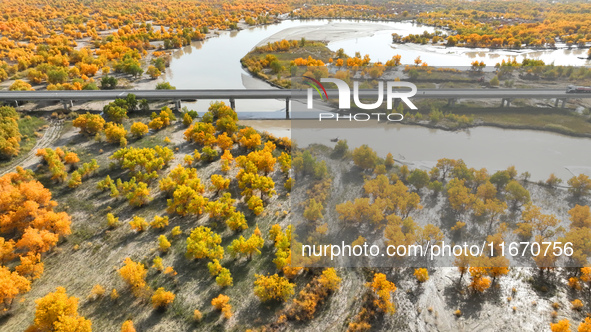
(330,32)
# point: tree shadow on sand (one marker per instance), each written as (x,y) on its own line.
(469,302)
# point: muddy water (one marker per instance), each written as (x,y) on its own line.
(537,152)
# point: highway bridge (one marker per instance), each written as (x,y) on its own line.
(452,95)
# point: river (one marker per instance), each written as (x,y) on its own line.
(215,63)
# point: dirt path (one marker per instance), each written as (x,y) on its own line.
(52,133)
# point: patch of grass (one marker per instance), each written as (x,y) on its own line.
(433,75)
(425,85)
(80,234)
(148,142)
(459,85)
(552,121)
(28,125)
(317,50)
(68,125)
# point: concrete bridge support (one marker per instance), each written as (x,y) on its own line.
(67,104)
(177,105)
(506,102)
(451,102)
(233,104)
(287,108)
(558,100)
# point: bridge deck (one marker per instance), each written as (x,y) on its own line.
(277,94)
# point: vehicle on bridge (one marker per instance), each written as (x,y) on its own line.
(578,89)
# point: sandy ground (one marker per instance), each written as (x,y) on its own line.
(279,128)
(515,303)
(329,32)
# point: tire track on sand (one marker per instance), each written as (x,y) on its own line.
(52,133)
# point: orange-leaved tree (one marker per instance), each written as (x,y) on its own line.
(382,290)
(134,275)
(11,285)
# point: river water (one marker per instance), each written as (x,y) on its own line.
(215,63)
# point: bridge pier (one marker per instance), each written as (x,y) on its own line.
(67,104)
(451,102)
(233,104)
(505,102)
(177,105)
(287,108)
(563,103)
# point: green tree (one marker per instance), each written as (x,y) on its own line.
(58,75)
(313,210)
(516,194)
(108,82)
(341,147)
(418,178)
(115,113)
(494,81)
(500,179)
(165,86)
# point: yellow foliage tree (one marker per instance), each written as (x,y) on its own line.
(272,287)
(138,224)
(134,274)
(162,299)
(58,312)
(127,326)
(138,129)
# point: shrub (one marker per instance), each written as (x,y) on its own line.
(221,303)
(165,86)
(197,315)
(162,299)
(139,129)
(127,326)
(273,287)
(115,133)
(90,124)
(421,274)
(138,224)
